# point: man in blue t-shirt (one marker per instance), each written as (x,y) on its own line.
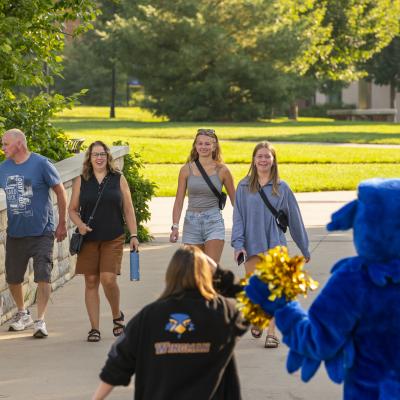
(26,178)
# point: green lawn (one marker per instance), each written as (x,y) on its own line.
(306,165)
(330,132)
(92,122)
(300,177)
(168,151)
(123,113)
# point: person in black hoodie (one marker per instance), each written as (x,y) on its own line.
(181,346)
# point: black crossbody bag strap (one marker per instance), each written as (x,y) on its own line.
(207,179)
(267,203)
(97,202)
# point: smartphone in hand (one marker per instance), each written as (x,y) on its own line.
(241,258)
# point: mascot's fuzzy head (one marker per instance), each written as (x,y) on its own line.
(375,219)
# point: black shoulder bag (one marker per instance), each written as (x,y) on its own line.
(280,216)
(76,241)
(220,196)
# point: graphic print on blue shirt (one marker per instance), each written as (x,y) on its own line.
(19,195)
(179,323)
(27,189)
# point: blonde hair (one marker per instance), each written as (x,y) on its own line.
(254,186)
(87,169)
(216,154)
(189,269)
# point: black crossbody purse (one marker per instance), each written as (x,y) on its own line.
(76,241)
(220,196)
(280,216)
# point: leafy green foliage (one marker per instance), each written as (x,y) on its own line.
(89,60)
(32,35)
(358,30)
(205,60)
(237,60)
(384,67)
(142,190)
(86,67)
(321,110)
(229,60)
(32,115)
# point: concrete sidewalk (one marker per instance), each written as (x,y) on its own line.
(65,366)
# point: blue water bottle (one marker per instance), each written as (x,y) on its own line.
(134,266)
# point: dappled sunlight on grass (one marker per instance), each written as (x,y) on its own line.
(164,146)
(122,113)
(300,177)
(134,122)
(379,134)
(176,151)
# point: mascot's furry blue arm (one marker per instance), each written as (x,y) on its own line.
(354,323)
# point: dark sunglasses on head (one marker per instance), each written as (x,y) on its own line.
(207,132)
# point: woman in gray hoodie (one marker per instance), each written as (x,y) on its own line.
(255,229)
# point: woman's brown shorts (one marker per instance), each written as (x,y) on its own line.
(100,256)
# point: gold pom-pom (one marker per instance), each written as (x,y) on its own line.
(284,276)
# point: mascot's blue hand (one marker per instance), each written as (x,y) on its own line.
(257,291)
(308,366)
(344,358)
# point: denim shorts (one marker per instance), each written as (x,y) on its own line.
(200,227)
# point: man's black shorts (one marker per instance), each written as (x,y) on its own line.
(20,250)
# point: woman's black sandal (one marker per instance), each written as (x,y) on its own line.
(118,326)
(255,332)
(94,336)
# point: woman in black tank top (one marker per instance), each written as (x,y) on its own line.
(101,254)
(108,223)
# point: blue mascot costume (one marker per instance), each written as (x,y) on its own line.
(354,323)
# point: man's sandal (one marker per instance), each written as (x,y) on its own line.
(94,336)
(255,332)
(271,342)
(118,325)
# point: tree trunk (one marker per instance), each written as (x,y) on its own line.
(392,95)
(113,91)
(128,93)
(294,111)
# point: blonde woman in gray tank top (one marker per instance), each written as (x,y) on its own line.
(203,225)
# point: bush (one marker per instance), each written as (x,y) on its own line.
(142,190)
(320,110)
(33,116)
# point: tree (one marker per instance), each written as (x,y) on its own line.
(236,59)
(206,60)
(229,59)
(32,35)
(92,62)
(384,68)
(85,67)
(357,29)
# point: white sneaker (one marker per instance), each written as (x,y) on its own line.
(39,329)
(21,321)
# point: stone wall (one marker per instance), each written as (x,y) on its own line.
(64,263)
